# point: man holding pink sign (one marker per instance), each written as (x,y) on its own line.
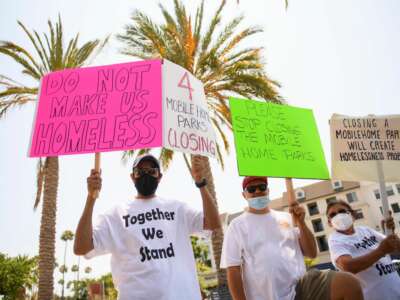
(131,106)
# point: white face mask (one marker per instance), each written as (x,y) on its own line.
(259,202)
(342,221)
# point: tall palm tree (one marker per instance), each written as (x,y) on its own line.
(75,269)
(50,54)
(215,55)
(66,236)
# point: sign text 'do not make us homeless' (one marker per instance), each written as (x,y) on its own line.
(187,123)
(99,109)
(359,142)
(276,140)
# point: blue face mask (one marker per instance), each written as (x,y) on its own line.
(259,202)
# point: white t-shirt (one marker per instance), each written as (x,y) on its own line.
(380,281)
(151,251)
(267,248)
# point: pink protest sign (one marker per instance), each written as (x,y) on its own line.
(99,109)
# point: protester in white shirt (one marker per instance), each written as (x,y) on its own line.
(148,237)
(263,253)
(364,252)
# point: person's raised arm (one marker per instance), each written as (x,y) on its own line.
(211,215)
(306,238)
(84,233)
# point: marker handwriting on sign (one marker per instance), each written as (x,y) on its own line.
(99,109)
(367,139)
(276,140)
(186,79)
(266,126)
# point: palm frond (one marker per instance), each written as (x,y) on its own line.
(221,134)
(40,178)
(15,96)
(28,69)
(165,157)
(44,61)
(49,56)
(220,158)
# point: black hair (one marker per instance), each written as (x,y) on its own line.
(340,202)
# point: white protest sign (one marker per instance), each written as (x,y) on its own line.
(186,121)
(357,143)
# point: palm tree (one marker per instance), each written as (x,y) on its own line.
(88,270)
(74,269)
(50,54)
(213,57)
(66,236)
(63,269)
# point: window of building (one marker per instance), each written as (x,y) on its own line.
(398,188)
(359,214)
(313,209)
(317,225)
(330,199)
(389,190)
(395,207)
(322,243)
(380,207)
(351,197)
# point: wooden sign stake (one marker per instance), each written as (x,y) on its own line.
(290,191)
(97,167)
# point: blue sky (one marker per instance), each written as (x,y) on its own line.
(332,56)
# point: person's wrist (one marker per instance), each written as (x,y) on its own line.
(380,252)
(301,223)
(91,197)
(200,183)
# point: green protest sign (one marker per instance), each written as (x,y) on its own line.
(276,140)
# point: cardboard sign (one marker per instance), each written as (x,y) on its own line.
(99,109)
(187,123)
(276,140)
(357,143)
(122,107)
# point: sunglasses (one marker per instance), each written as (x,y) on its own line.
(140,172)
(340,211)
(252,188)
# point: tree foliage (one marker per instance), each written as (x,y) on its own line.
(17,273)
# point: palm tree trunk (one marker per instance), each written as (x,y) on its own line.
(65,258)
(48,230)
(79,263)
(217,235)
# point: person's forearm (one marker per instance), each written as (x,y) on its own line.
(361,263)
(307,241)
(84,233)
(235,283)
(211,215)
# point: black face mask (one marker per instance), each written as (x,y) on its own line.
(146,184)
